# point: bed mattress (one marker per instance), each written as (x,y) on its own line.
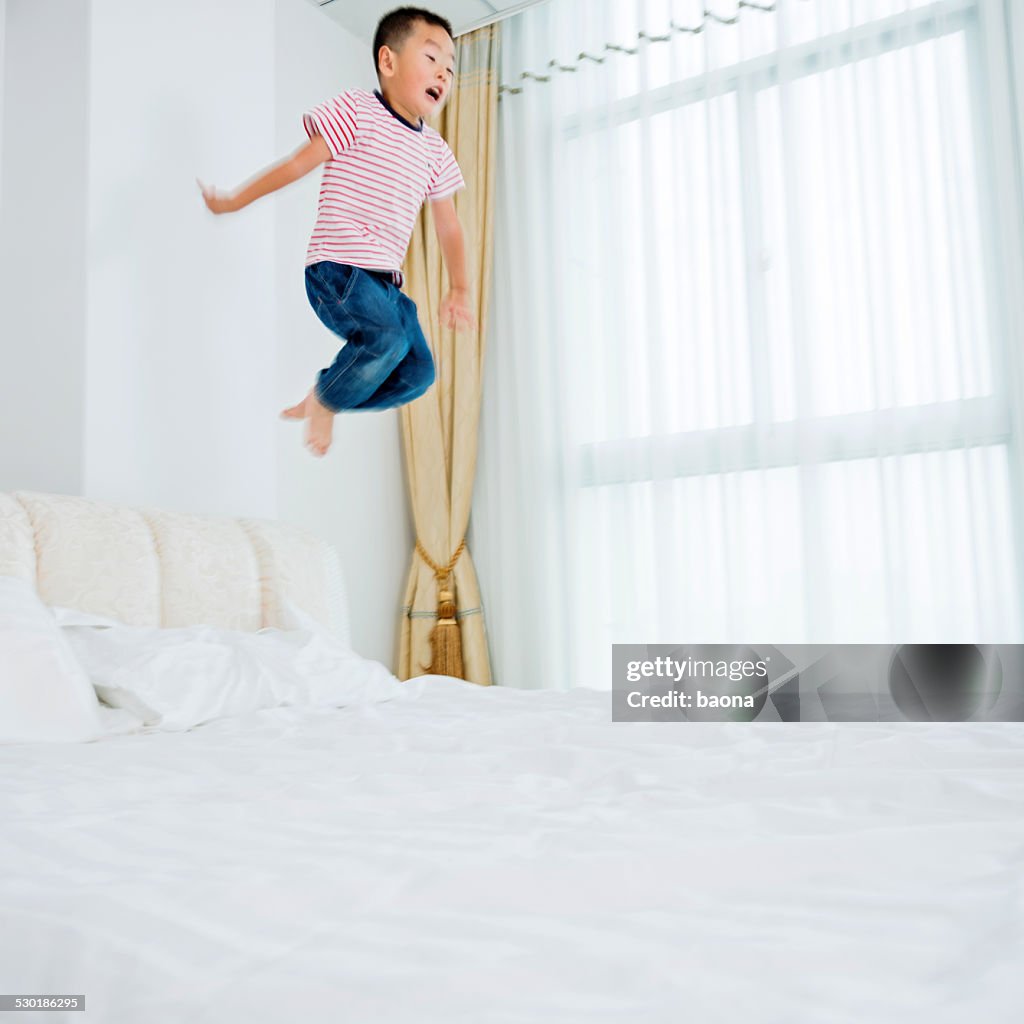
(497,855)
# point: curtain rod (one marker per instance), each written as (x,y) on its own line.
(493,19)
(554,66)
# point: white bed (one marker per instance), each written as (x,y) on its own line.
(499,855)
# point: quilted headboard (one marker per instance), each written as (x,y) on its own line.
(148,567)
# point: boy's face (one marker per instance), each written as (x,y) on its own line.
(418,77)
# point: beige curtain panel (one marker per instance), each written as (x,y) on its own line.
(440,430)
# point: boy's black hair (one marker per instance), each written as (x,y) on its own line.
(394,28)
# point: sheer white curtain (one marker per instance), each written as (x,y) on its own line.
(754,371)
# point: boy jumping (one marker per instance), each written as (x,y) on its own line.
(382,162)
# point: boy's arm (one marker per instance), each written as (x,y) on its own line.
(455,305)
(300,163)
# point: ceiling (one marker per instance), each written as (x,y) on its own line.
(361,16)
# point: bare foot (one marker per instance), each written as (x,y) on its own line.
(319,422)
(319,425)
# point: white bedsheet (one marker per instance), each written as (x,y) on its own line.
(497,855)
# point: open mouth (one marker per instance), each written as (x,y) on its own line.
(434,93)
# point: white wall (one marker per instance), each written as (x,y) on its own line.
(147,353)
(180,318)
(42,244)
(3,31)
(356,495)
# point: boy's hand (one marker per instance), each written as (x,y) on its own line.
(455,311)
(216,203)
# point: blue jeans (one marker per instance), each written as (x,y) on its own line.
(385,361)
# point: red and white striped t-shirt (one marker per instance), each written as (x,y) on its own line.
(381,170)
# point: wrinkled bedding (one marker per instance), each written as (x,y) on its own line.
(497,855)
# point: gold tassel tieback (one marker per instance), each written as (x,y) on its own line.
(445,639)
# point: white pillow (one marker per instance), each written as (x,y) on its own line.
(178,678)
(44,693)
